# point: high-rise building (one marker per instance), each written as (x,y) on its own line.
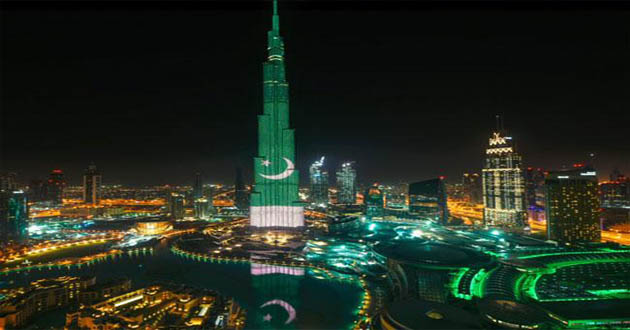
(55,186)
(319,183)
(8,181)
(347,184)
(374,202)
(535,193)
(471,184)
(428,200)
(203,208)
(241,195)
(275,202)
(616,192)
(503,184)
(573,205)
(197,187)
(13,216)
(176,206)
(92,185)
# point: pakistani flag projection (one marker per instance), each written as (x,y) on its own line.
(274,201)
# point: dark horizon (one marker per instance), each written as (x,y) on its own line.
(154,93)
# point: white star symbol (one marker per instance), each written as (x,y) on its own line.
(267,318)
(266,163)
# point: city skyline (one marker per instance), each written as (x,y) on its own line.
(426,134)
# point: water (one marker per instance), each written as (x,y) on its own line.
(274,297)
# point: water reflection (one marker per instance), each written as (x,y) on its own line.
(278,297)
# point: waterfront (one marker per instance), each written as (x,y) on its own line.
(310,297)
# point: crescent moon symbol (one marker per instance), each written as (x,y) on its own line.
(282,175)
(284,305)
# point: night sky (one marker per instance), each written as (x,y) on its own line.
(153,92)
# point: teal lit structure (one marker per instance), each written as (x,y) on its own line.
(274,202)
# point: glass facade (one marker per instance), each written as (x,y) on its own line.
(428,200)
(573,206)
(92,180)
(347,184)
(503,184)
(13,216)
(319,183)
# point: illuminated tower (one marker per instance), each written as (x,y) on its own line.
(503,183)
(13,216)
(274,201)
(573,205)
(91,185)
(319,183)
(347,184)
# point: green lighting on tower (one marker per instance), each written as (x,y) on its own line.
(274,201)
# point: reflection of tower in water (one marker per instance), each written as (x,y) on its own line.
(277,292)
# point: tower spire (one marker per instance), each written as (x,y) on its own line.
(276,18)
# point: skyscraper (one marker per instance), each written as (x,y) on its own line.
(503,184)
(13,216)
(319,183)
(428,200)
(197,187)
(275,202)
(203,208)
(241,195)
(374,202)
(176,206)
(55,186)
(573,205)
(346,184)
(91,185)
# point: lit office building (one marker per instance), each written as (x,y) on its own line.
(347,184)
(428,200)
(472,190)
(55,187)
(615,193)
(92,180)
(319,183)
(275,202)
(374,202)
(203,208)
(176,206)
(503,184)
(573,205)
(535,193)
(13,216)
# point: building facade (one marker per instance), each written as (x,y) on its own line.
(572,206)
(347,184)
(319,183)
(13,216)
(428,200)
(176,206)
(55,186)
(92,182)
(503,184)
(472,189)
(197,187)
(275,202)
(374,202)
